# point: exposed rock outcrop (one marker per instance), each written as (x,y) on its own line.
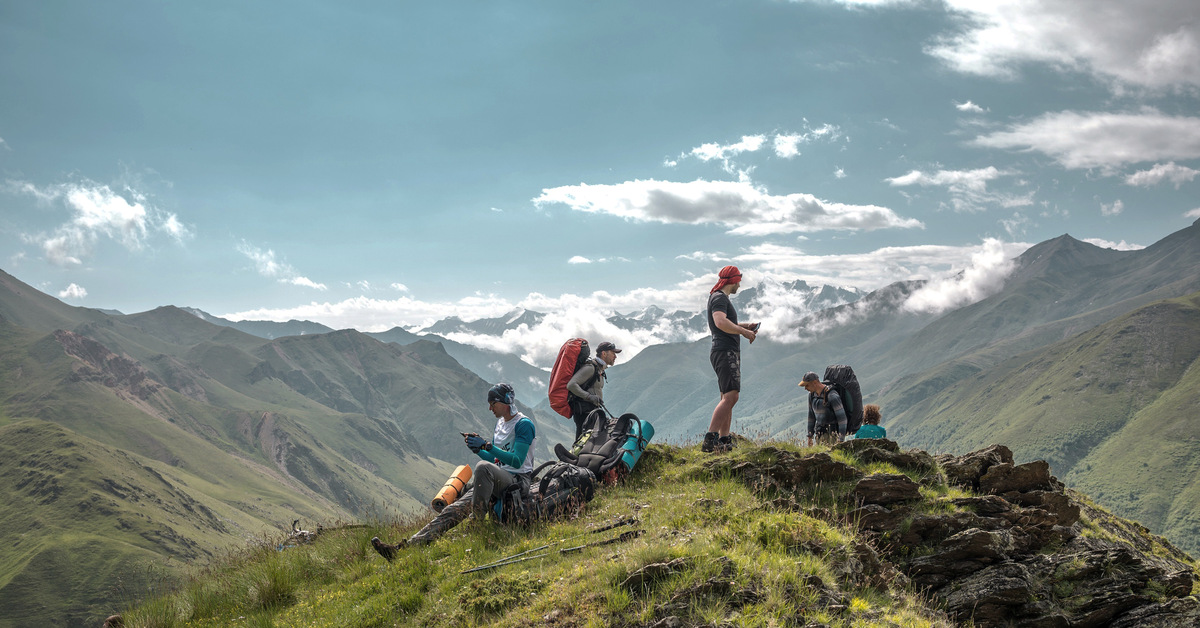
(1018,552)
(98,364)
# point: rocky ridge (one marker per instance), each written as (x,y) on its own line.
(1007,545)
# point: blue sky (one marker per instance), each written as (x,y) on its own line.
(368,165)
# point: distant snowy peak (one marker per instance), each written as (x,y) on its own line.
(486,326)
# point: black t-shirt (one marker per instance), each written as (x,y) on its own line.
(722,341)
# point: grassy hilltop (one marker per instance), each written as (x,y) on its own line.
(771,535)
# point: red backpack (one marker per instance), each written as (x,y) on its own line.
(571,356)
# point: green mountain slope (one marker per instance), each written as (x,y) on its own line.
(260,432)
(863,536)
(1109,407)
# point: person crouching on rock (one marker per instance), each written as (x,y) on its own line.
(826,414)
(507,458)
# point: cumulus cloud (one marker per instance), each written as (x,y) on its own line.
(1119,246)
(97,211)
(73,291)
(1195,213)
(968,188)
(969,107)
(738,205)
(579,259)
(1163,172)
(1102,140)
(983,276)
(399,286)
(268,266)
(1112,209)
(1152,44)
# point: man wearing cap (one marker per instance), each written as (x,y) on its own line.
(725,356)
(586,388)
(506,459)
(826,415)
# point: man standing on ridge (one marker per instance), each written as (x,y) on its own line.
(725,356)
(586,389)
(826,414)
(507,458)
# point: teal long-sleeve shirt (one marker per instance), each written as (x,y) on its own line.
(514,458)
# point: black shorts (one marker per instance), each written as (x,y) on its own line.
(728,366)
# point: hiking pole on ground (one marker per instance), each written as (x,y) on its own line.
(516,558)
(624,522)
(509,561)
(624,536)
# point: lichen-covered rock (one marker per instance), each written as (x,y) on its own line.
(1007,478)
(966,470)
(886,488)
(883,450)
(1181,612)
(786,469)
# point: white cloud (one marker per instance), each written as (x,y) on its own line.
(97,211)
(399,286)
(1119,246)
(969,107)
(73,291)
(1163,172)
(722,152)
(579,259)
(783,145)
(766,266)
(306,283)
(839,173)
(738,205)
(967,188)
(271,268)
(1195,213)
(1112,209)
(1102,140)
(982,276)
(1152,44)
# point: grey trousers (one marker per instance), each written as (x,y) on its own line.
(488,482)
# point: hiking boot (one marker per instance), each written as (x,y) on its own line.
(724,444)
(387,550)
(710,442)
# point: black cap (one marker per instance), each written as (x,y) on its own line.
(809,377)
(502,393)
(607,346)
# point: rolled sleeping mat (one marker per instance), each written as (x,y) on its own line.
(452,488)
(641,431)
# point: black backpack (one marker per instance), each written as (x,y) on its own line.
(602,445)
(561,491)
(845,383)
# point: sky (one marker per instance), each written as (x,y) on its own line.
(373,165)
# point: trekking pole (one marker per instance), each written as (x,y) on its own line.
(624,522)
(510,561)
(516,558)
(624,536)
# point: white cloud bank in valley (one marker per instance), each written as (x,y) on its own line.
(742,207)
(957,276)
(983,275)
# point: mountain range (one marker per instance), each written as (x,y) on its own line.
(172,433)
(161,435)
